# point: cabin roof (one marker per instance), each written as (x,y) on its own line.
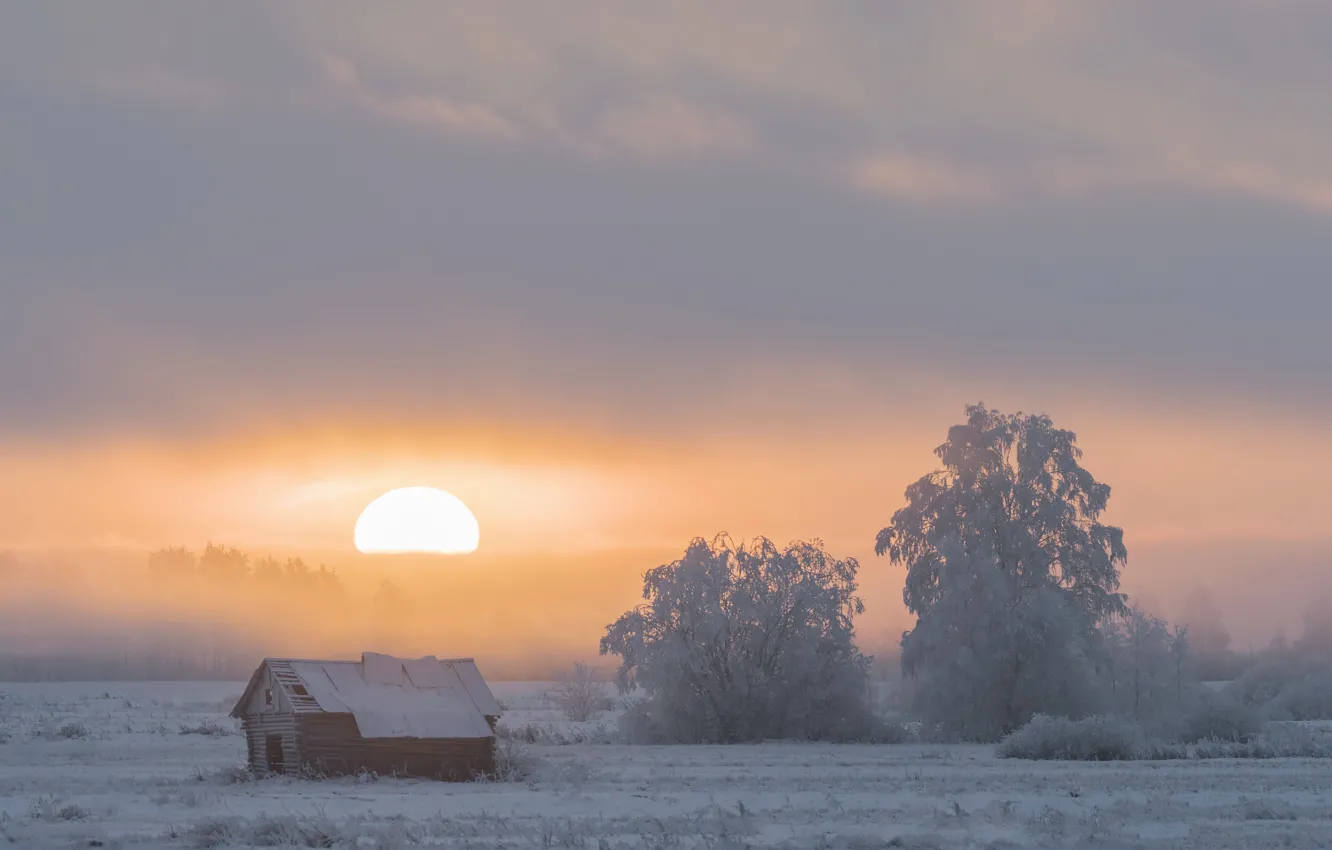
(388,697)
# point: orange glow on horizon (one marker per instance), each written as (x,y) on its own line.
(573,518)
(563,491)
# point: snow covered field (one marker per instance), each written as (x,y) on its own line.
(108,765)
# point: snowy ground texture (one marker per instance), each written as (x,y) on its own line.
(155,765)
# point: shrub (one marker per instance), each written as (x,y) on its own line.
(888,732)
(580,694)
(1272,673)
(232,775)
(1111,738)
(1309,698)
(513,762)
(264,831)
(1290,740)
(213,832)
(1096,738)
(553,735)
(1220,718)
(210,728)
(1276,742)
(49,808)
(72,730)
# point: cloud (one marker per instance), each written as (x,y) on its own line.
(951,102)
(169,88)
(428,111)
(668,127)
(650,128)
(439,209)
(913,179)
(909,178)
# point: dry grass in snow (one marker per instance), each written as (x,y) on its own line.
(132,779)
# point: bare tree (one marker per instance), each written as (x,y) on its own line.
(580,694)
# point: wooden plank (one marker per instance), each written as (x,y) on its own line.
(331,744)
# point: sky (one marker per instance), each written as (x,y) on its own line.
(622,274)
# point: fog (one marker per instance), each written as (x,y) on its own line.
(117,614)
(106,613)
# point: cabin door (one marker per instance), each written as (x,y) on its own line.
(276,761)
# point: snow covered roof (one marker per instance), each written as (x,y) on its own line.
(389,697)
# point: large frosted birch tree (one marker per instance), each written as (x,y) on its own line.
(1009,572)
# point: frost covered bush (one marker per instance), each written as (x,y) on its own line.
(1273,671)
(1291,740)
(1009,572)
(209,728)
(580,694)
(745,643)
(1096,738)
(1307,698)
(49,808)
(1288,684)
(1275,741)
(69,731)
(884,731)
(558,735)
(1102,738)
(513,762)
(265,831)
(1217,717)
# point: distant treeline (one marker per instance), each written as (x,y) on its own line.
(209,614)
(231,567)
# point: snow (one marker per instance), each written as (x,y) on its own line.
(108,763)
(396,698)
(475,683)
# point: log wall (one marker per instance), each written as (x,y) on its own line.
(331,745)
(257,729)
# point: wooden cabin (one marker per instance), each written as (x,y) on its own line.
(426,717)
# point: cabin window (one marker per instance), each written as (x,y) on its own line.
(299,690)
(268,698)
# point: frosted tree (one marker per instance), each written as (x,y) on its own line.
(1317,635)
(579,693)
(1209,639)
(1009,573)
(742,643)
(1147,665)
(1207,627)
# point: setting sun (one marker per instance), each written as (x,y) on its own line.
(417,519)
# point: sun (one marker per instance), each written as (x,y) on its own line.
(417,519)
